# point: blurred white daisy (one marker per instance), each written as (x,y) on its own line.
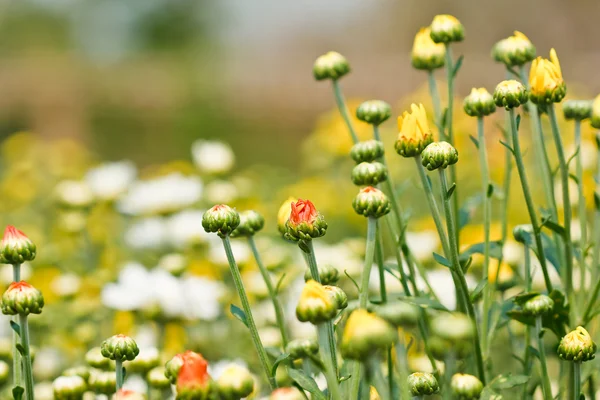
(165,194)
(108,181)
(212,157)
(185,228)
(423,244)
(216,253)
(216,369)
(66,284)
(219,191)
(6,272)
(73,193)
(146,233)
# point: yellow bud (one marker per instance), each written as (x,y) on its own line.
(364,334)
(426,54)
(316,304)
(515,50)
(446,28)
(284,213)
(414,133)
(546,80)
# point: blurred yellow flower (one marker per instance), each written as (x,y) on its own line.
(426,54)
(284,213)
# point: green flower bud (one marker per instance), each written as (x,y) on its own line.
(331,65)
(595,118)
(250,223)
(174,366)
(454,327)
(514,51)
(522,232)
(22,298)
(367,151)
(69,388)
(147,359)
(95,359)
(446,28)
(286,393)
(577,109)
(156,378)
(440,348)
(546,83)
(466,387)
(119,347)
(316,305)
(235,383)
(426,54)
(220,219)
(374,111)
(103,382)
(422,384)
(538,305)
(577,346)
(439,155)
(366,333)
(371,202)
(81,371)
(302,348)
(479,103)
(328,275)
(337,294)
(510,94)
(304,222)
(369,173)
(399,314)
(413,132)
(4,372)
(16,247)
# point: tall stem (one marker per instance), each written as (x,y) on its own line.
(487,220)
(119,372)
(546,388)
(369,256)
(272,293)
(239,286)
(376,377)
(582,214)
(435,99)
(27,370)
(17,369)
(527,357)
(528,199)
(459,272)
(450,130)
(341,103)
(330,374)
(402,363)
(314,270)
(564,175)
(576,380)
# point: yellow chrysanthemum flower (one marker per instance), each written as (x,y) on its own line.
(515,50)
(546,80)
(426,54)
(414,132)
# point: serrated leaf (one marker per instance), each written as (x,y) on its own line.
(478,248)
(15,327)
(425,302)
(450,191)
(502,382)
(474,140)
(478,291)
(442,260)
(457,66)
(18,392)
(282,357)
(307,383)
(279,283)
(239,314)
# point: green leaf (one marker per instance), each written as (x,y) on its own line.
(518,119)
(457,66)
(503,143)
(282,357)
(15,327)
(477,292)
(279,283)
(513,72)
(490,190)
(18,392)
(489,394)
(468,209)
(478,248)
(442,260)
(444,120)
(352,280)
(474,140)
(304,246)
(553,226)
(450,191)
(425,302)
(307,383)
(239,314)
(573,157)
(597,201)
(508,381)
(344,378)
(20,349)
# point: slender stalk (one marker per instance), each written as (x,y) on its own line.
(450,130)
(341,103)
(272,293)
(564,175)
(27,370)
(380,266)
(239,286)
(459,272)
(582,214)
(435,99)
(119,371)
(487,220)
(528,199)
(402,362)
(376,378)
(17,370)
(527,357)
(330,374)
(576,380)
(591,388)
(314,270)
(546,388)
(369,255)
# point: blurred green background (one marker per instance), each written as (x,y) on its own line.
(141,79)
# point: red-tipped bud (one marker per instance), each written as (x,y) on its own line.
(16,247)
(305,222)
(22,298)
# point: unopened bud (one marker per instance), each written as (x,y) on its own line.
(69,388)
(466,387)
(156,378)
(220,219)
(422,384)
(366,333)
(514,51)
(577,109)
(103,382)
(22,298)
(119,348)
(250,223)
(316,305)
(446,28)
(235,383)
(510,94)
(538,305)
(399,314)
(439,155)
(371,202)
(16,247)
(328,275)
(305,222)
(369,173)
(577,346)
(479,103)
(367,151)
(374,112)
(302,348)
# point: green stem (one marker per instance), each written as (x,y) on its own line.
(119,372)
(582,203)
(402,363)
(487,220)
(376,377)
(576,380)
(239,286)
(528,199)
(330,374)
(546,388)
(17,369)
(527,357)
(380,266)
(272,293)
(27,370)
(564,175)
(314,270)
(450,130)
(463,288)
(369,255)
(435,99)
(341,103)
